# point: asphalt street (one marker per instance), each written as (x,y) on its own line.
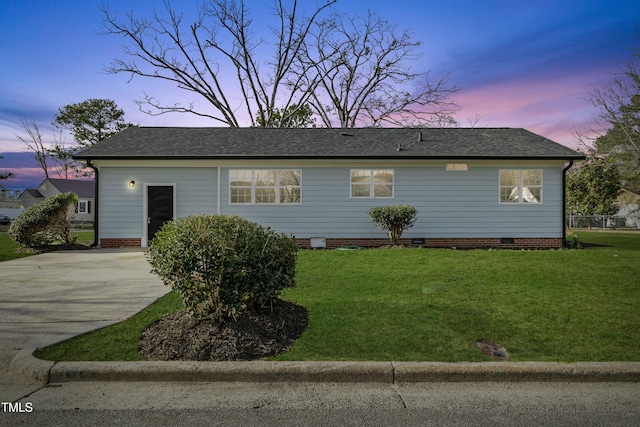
(323,404)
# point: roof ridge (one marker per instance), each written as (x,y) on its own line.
(327,143)
(65,179)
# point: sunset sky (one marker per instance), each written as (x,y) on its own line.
(518,64)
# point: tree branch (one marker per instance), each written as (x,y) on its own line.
(363,70)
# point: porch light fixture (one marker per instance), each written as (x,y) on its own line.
(132,183)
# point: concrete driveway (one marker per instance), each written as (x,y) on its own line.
(50,297)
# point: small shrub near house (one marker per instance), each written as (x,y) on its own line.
(45,223)
(222,265)
(395,219)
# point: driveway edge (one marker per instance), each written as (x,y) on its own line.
(27,367)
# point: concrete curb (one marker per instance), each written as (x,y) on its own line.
(29,367)
(249,371)
(517,372)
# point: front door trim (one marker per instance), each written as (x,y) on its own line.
(145,207)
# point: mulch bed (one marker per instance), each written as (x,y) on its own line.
(264,333)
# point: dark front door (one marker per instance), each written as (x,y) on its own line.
(159,208)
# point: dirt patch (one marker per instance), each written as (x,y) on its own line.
(256,335)
(492,349)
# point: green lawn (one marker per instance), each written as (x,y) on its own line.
(11,250)
(433,304)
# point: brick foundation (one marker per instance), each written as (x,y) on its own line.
(459,243)
(120,243)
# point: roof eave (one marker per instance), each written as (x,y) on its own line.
(325,157)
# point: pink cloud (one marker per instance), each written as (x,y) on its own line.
(24,177)
(556,108)
(26,173)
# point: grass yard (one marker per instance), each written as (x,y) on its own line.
(11,250)
(433,304)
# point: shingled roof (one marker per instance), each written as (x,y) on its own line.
(327,143)
(80,187)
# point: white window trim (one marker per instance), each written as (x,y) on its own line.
(520,187)
(83,207)
(371,184)
(277,187)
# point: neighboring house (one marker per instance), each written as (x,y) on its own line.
(82,213)
(30,197)
(472,187)
(628,202)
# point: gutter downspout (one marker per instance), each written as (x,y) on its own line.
(564,203)
(96,204)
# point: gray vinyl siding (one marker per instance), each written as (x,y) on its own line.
(466,204)
(121,207)
(449,204)
(323,211)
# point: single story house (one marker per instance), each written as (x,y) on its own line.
(472,187)
(82,213)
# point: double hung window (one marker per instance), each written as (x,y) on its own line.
(521,186)
(83,207)
(265,186)
(372,183)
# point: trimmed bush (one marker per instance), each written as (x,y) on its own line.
(223,265)
(395,219)
(45,223)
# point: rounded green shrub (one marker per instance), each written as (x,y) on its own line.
(223,265)
(394,218)
(45,223)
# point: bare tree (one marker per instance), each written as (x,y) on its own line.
(62,157)
(618,121)
(50,155)
(623,89)
(365,78)
(350,71)
(33,141)
(220,38)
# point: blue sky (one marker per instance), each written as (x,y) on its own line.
(518,64)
